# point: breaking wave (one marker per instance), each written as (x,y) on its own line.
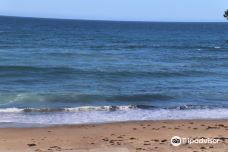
(106,108)
(87,115)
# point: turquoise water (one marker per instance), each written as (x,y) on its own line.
(71,71)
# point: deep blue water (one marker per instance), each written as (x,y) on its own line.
(154,67)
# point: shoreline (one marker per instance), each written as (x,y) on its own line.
(107,114)
(37,126)
(116,137)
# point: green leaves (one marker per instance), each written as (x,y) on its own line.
(226,14)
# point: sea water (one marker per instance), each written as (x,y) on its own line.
(76,72)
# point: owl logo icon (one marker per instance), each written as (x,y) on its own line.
(176,141)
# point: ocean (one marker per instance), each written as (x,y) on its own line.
(55,72)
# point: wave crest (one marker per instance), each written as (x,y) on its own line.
(107,108)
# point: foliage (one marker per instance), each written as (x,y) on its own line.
(226,14)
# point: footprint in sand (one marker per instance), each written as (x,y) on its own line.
(147,144)
(202,148)
(164,140)
(105,139)
(31,145)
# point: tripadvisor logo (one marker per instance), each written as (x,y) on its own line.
(176,141)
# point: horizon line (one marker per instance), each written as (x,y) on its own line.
(104,20)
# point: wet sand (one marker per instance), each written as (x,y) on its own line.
(146,136)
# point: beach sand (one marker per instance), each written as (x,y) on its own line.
(146,136)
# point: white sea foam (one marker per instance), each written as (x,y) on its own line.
(76,109)
(10,110)
(217,47)
(85,117)
(100,108)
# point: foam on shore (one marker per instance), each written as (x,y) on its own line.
(76,116)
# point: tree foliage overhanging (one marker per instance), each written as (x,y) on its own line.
(226,14)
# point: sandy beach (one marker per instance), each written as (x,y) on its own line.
(151,136)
